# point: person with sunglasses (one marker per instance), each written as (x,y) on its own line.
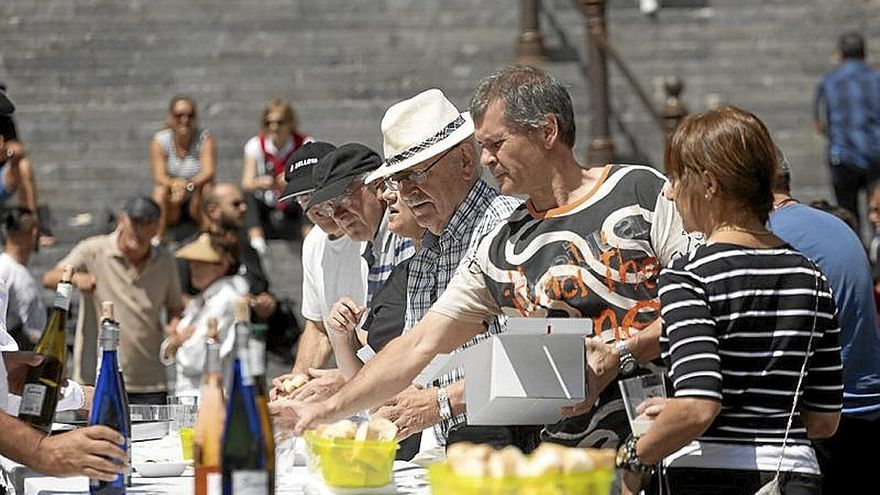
(183,160)
(262,179)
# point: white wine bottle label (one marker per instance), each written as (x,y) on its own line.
(257,350)
(62,296)
(248,482)
(214,484)
(32,396)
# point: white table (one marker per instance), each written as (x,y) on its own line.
(409,479)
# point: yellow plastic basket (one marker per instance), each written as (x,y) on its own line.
(351,463)
(445,482)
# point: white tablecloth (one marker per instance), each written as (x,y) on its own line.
(409,479)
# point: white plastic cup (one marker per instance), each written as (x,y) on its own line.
(637,390)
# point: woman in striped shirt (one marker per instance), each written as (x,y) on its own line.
(738,315)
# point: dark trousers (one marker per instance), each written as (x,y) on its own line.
(526,438)
(148,398)
(276,224)
(848,181)
(693,481)
(845,458)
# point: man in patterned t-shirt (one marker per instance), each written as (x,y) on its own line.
(588,243)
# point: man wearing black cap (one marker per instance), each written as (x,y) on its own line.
(91,451)
(329,261)
(341,196)
(142,281)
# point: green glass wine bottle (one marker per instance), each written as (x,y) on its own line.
(39,394)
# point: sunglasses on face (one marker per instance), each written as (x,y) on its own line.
(181,115)
(303,199)
(276,122)
(395,181)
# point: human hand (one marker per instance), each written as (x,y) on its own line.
(284,415)
(344,316)
(84,281)
(92,452)
(652,407)
(602,368)
(411,411)
(265,182)
(323,384)
(631,483)
(18,364)
(286,384)
(312,414)
(264,305)
(178,190)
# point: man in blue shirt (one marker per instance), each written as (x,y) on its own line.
(837,250)
(847,111)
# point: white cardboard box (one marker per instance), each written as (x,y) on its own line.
(522,377)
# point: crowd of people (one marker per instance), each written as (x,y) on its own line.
(759,309)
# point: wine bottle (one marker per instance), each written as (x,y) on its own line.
(39,394)
(108,404)
(108,321)
(257,351)
(244,452)
(208,433)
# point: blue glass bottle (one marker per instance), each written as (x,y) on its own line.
(108,405)
(245,468)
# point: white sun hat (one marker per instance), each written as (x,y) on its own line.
(419,128)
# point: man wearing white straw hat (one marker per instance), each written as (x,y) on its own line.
(431,162)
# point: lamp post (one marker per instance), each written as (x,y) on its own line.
(530,42)
(600,149)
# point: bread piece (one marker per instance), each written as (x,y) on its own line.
(546,459)
(576,461)
(344,429)
(602,458)
(468,459)
(508,462)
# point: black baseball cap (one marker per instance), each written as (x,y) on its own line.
(7,108)
(141,208)
(298,170)
(337,169)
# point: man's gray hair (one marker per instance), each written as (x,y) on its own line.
(529,94)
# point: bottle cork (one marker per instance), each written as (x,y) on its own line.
(212,329)
(242,309)
(107,310)
(67,273)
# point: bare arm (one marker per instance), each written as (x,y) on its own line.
(159,164)
(28,188)
(681,421)
(820,425)
(80,452)
(208,159)
(387,373)
(314,348)
(249,174)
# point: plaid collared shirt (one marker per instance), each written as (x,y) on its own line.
(433,266)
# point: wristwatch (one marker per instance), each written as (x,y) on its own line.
(443,402)
(190,186)
(628,363)
(629,460)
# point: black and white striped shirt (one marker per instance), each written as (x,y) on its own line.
(736,323)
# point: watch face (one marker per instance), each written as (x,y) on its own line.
(628,367)
(621,456)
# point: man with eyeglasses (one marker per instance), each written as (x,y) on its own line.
(142,281)
(332,268)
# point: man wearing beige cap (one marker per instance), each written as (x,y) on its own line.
(142,281)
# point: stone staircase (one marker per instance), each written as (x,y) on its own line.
(92,78)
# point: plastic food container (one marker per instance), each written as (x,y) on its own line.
(351,463)
(445,482)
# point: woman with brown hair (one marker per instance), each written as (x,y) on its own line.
(750,335)
(183,159)
(262,179)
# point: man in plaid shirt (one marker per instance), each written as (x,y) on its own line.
(431,162)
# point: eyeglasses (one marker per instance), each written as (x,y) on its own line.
(344,200)
(303,199)
(393,182)
(181,115)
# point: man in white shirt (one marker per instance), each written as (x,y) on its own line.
(26,312)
